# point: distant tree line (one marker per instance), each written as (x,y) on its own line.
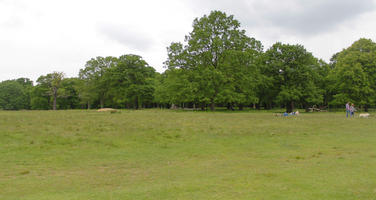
(216,65)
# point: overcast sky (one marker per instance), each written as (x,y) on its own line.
(41,36)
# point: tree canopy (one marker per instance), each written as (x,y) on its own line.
(14,94)
(354,74)
(294,75)
(216,61)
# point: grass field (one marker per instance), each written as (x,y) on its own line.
(154,154)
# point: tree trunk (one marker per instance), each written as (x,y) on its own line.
(212,106)
(136,103)
(230,106)
(102,102)
(54,103)
(290,107)
(55,97)
(365,108)
(202,106)
(241,107)
(88,105)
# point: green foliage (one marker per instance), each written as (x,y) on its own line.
(127,81)
(40,98)
(131,82)
(52,83)
(218,63)
(354,74)
(14,94)
(241,69)
(175,87)
(95,84)
(294,75)
(68,94)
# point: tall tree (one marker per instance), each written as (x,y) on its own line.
(355,74)
(131,81)
(242,74)
(214,39)
(293,71)
(95,84)
(53,82)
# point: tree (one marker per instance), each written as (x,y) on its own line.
(131,81)
(354,74)
(293,74)
(68,94)
(27,85)
(40,98)
(241,69)
(86,92)
(13,95)
(353,84)
(215,39)
(95,85)
(324,81)
(175,87)
(51,82)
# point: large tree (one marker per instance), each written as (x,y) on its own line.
(242,75)
(293,73)
(354,74)
(94,83)
(215,39)
(131,82)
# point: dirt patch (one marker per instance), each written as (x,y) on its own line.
(107,110)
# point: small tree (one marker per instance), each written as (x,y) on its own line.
(13,95)
(53,82)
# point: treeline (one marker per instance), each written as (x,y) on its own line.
(216,65)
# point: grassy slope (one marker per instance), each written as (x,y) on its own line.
(156,154)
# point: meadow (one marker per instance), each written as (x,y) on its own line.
(164,154)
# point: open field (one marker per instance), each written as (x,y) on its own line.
(154,154)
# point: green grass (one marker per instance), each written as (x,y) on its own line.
(154,154)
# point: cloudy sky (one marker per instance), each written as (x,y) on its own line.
(41,36)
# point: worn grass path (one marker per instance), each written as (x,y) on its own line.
(153,154)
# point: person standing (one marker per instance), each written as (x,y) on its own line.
(348,109)
(352,110)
